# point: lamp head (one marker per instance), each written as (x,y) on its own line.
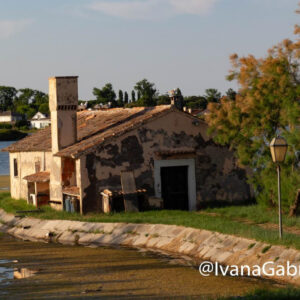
(278,148)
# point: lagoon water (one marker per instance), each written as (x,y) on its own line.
(76,272)
(4,158)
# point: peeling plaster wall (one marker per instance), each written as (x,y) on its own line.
(56,181)
(80,178)
(68,171)
(218,178)
(26,166)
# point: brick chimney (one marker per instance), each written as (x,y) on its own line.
(63,102)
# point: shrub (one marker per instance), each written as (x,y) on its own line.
(22,124)
(5,126)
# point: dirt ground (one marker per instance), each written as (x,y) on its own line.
(4,183)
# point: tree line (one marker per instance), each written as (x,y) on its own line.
(145,93)
(28,101)
(24,101)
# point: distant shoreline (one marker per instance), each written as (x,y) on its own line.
(7,135)
(4,183)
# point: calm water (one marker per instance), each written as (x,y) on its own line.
(54,271)
(4,161)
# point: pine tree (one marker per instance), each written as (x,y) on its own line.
(126,98)
(133,99)
(121,99)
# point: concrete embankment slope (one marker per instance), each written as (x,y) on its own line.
(196,243)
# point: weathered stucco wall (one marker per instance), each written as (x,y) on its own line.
(218,178)
(26,166)
(56,182)
(63,101)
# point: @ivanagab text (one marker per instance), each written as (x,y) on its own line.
(269,268)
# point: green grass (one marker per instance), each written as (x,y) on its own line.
(255,213)
(189,219)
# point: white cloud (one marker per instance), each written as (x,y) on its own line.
(126,9)
(152,9)
(195,7)
(11,27)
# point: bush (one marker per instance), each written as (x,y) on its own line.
(24,128)
(265,183)
(22,123)
(5,126)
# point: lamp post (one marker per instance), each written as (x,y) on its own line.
(278,149)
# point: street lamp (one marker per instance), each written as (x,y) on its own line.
(278,149)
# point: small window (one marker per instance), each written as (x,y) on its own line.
(16,167)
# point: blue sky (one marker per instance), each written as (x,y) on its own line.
(173,43)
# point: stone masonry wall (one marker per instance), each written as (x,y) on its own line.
(195,243)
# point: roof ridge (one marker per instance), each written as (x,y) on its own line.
(168,108)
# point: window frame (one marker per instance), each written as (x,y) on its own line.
(16,169)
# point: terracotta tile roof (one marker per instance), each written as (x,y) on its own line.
(39,141)
(93,127)
(71,190)
(38,177)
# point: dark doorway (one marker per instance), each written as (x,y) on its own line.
(174,187)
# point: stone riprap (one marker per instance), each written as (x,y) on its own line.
(198,244)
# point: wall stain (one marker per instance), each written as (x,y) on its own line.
(218,178)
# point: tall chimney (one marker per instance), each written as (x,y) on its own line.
(63,102)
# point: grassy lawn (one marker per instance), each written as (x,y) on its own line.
(219,223)
(267,294)
(259,215)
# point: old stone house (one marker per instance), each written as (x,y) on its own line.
(84,153)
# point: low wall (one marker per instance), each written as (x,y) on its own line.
(196,243)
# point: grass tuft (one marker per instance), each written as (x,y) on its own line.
(265,249)
(251,246)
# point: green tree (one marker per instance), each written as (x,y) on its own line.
(44,108)
(126,98)
(147,93)
(25,97)
(105,95)
(267,104)
(163,99)
(7,97)
(121,99)
(212,95)
(133,99)
(195,102)
(231,94)
(30,101)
